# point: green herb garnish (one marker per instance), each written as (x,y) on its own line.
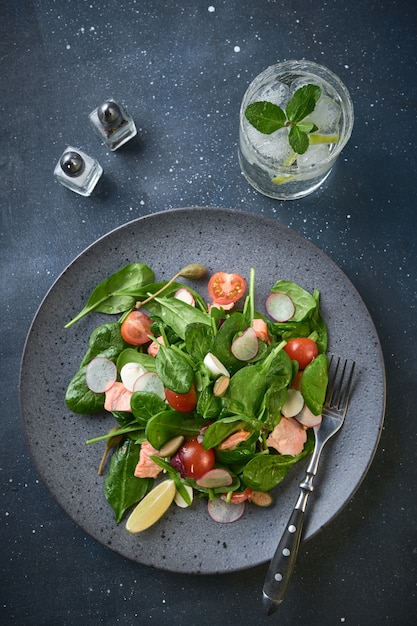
(268,117)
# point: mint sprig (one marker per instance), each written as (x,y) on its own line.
(268,117)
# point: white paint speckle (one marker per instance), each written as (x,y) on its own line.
(236,48)
(211,9)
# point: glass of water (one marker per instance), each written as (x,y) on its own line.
(267,160)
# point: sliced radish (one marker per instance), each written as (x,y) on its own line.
(215,367)
(293,404)
(245,347)
(185,295)
(225,512)
(151,382)
(280,307)
(307,418)
(129,373)
(179,500)
(100,374)
(216,477)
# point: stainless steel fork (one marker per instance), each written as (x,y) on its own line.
(334,411)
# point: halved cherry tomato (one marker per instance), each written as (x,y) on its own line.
(226,288)
(303,350)
(136,328)
(196,459)
(182,402)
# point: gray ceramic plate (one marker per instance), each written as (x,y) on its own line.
(187,540)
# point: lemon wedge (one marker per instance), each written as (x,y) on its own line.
(280,180)
(152,507)
(323,138)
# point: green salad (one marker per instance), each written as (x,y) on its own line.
(209,400)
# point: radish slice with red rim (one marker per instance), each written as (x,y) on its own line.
(245,347)
(216,477)
(185,295)
(280,307)
(225,512)
(293,404)
(100,374)
(150,382)
(307,418)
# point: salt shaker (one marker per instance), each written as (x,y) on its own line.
(113,124)
(78,171)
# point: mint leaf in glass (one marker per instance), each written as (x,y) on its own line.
(298,140)
(267,117)
(302,103)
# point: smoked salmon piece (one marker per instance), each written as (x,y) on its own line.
(146,468)
(118,398)
(288,437)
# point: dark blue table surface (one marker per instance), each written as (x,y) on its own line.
(182,68)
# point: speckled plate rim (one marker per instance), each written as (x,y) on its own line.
(186,540)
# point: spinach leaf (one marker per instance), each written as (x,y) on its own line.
(169,424)
(121,487)
(131,355)
(314,383)
(208,405)
(198,340)
(103,298)
(234,324)
(174,370)
(106,341)
(177,314)
(303,301)
(219,430)
(145,405)
(265,471)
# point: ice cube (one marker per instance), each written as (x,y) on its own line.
(314,155)
(276,147)
(277,93)
(326,116)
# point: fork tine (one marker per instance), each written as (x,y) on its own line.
(340,383)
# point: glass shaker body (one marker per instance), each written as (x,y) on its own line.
(113,124)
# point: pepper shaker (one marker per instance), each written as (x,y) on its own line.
(78,171)
(113,124)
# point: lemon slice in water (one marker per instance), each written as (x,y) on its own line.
(152,507)
(313,139)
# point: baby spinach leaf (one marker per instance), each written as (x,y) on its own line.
(174,370)
(103,298)
(121,487)
(304,302)
(169,424)
(106,341)
(145,405)
(219,430)
(198,340)
(234,324)
(177,314)
(314,383)
(130,355)
(208,406)
(265,471)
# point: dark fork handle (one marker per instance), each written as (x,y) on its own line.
(283,562)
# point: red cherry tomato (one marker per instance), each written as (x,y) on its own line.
(136,328)
(196,459)
(226,288)
(182,402)
(303,350)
